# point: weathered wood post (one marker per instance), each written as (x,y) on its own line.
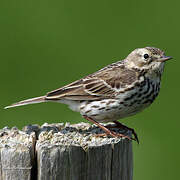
(64,152)
(16,154)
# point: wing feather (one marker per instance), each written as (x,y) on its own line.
(88,89)
(100,85)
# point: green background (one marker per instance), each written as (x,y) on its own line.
(46,44)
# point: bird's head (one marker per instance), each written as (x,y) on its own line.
(149,58)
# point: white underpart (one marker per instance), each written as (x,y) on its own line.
(73,105)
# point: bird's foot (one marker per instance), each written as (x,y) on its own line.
(107,131)
(114,134)
(120,125)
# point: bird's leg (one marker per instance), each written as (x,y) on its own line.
(120,125)
(107,131)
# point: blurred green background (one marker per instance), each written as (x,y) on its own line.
(46,44)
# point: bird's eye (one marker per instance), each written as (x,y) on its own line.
(146,56)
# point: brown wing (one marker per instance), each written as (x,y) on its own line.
(118,77)
(100,85)
(83,89)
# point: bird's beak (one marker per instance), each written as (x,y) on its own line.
(164,58)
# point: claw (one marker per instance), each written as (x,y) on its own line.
(127,128)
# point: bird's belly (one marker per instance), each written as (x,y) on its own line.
(104,112)
(126,104)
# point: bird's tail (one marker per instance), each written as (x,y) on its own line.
(28,101)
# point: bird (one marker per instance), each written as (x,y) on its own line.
(116,91)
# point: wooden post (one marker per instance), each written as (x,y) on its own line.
(16,154)
(64,152)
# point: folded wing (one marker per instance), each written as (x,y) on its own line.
(100,85)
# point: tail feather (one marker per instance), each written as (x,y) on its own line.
(27,101)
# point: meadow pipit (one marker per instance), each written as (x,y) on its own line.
(118,90)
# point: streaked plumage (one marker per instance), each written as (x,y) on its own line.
(119,90)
